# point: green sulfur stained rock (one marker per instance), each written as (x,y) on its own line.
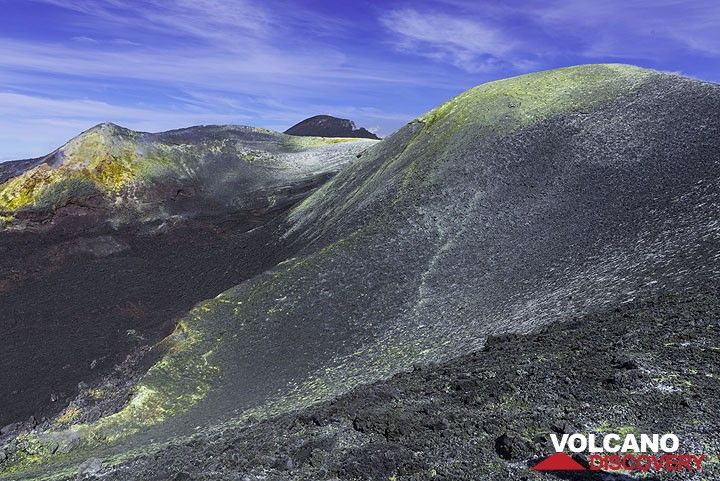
(137,173)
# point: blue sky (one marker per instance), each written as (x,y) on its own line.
(153,65)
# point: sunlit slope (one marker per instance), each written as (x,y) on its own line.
(518,203)
(200,169)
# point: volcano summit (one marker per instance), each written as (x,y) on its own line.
(329,126)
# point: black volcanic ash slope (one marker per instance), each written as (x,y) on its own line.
(108,240)
(329,126)
(540,198)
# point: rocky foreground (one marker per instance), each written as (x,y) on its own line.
(649,367)
(540,254)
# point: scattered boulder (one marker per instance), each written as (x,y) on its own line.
(625,361)
(504,446)
(89,468)
(62,442)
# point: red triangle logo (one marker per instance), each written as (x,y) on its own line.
(558,462)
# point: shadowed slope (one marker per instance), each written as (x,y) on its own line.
(520,202)
(112,237)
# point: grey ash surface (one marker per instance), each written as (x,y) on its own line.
(329,126)
(650,367)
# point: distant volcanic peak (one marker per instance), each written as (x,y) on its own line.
(110,128)
(205,133)
(99,161)
(119,168)
(102,136)
(107,131)
(329,126)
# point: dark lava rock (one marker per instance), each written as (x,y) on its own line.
(354,444)
(504,447)
(329,126)
(625,361)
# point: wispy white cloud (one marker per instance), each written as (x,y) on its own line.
(188,61)
(229,24)
(84,39)
(469,44)
(493,35)
(19,106)
(240,47)
(642,29)
(192,66)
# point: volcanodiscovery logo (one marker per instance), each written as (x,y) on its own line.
(615,452)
